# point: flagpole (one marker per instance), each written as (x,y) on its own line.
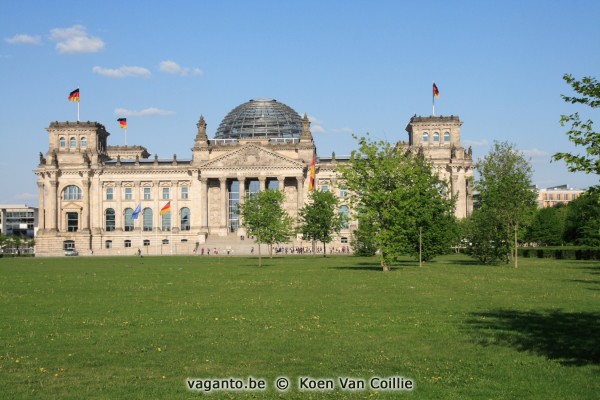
(125,136)
(432,101)
(78,111)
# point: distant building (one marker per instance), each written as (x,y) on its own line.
(552,196)
(89,191)
(18,219)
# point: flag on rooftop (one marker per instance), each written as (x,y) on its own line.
(122,123)
(74,95)
(436,92)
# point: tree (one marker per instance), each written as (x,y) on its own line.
(362,241)
(320,218)
(506,193)
(264,217)
(581,132)
(547,226)
(398,193)
(486,237)
(582,225)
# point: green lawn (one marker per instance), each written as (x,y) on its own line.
(136,328)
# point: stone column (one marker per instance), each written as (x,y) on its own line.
(203,203)
(154,194)
(174,194)
(262,183)
(242,199)
(242,188)
(41,207)
(52,211)
(118,193)
(281,183)
(300,189)
(85,211)
(223,208)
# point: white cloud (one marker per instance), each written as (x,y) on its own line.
(535,153)
(315,125)
(75,40)
(171,67)
(476,143)
(147,112)
(122,71)
(23,39)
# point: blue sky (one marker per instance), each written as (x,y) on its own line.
(351,66)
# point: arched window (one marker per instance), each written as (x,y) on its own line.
(72,143)
(425,137)
(108,244)
(83,142)
(72,192)
(62,142)
(147,219)
(127,243)
(436,137)
(166,221)
(128,226)
(344,213)
(185,219)
(446,136)
(109,220)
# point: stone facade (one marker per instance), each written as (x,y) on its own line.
(88,190)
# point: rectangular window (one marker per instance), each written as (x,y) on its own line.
(165,193)
(324,188)
(146,242)
(72,221)
(128,194)
(109,193)
(108,244)
(127,243)
(342,192)
(147,194)
(184,192)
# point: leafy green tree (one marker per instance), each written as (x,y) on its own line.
(581,132)
(582,225)
(320,218)
(548,226)
(486,237)
(506,193)
(362,240)
(264,218)
(399,194)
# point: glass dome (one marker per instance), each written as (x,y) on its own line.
(260,118)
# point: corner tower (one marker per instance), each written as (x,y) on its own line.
(439,138)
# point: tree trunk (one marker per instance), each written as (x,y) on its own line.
(516,253)
(270,251)
(259,256)
(324,250)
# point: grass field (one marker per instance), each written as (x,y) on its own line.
(136,328)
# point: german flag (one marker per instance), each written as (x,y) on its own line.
(122,123)
(74,95)
(436,92)
(166,208)
(311,177)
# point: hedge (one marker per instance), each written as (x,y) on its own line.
(561,253)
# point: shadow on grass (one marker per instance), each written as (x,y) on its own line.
(570,338)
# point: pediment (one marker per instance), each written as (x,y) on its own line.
(254,157)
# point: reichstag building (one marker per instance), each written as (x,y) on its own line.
(89,191)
